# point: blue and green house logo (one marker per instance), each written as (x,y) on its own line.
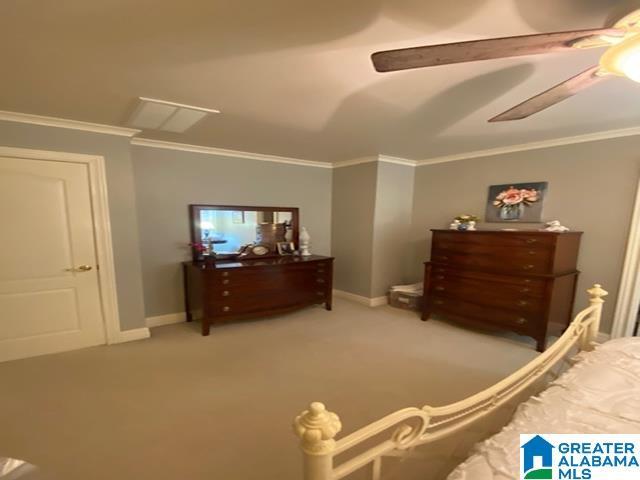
(537,447)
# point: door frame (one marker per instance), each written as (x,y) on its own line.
(628,301)
(101,228)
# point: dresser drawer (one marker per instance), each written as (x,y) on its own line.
(248,302)
(481,249)
(519,321)
(498,239)
(515,284)
(505,263)
(488,294)
(272,277)
(259,288)
(486,284)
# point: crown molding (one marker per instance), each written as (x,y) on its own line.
(556,142)
(375,158)
(397,160)
(355,161)
(65,123)
(147,142)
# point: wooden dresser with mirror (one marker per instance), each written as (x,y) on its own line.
(237,270)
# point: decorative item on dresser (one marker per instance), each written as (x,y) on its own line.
(305,242)
(252,280)
(522,281)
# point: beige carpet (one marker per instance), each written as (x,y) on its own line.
(184,407)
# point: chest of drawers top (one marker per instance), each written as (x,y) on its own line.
(514,252)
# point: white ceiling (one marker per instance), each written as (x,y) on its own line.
(294,78)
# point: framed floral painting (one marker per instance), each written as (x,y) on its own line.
(517,202)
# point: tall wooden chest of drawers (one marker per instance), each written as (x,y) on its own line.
(522,281)
(229,290)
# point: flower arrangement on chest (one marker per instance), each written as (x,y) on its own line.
(464,223)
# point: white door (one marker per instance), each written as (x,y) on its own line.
(49,292)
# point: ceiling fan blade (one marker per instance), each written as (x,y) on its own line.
(552,96)
(432,55)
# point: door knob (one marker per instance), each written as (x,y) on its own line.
(81,268)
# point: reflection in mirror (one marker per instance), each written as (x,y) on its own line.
(227,231)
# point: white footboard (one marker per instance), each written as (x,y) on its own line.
(318,427)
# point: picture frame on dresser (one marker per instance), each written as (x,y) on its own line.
(286,248)
(520,281)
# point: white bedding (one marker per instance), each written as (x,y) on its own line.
(601,394)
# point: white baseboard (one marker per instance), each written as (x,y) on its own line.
(167,319)
(133,335)
(378,301)
(369,302)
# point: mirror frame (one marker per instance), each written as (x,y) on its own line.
(194,216)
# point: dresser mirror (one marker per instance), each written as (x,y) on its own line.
(231,231)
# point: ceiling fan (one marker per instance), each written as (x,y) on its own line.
(622,58)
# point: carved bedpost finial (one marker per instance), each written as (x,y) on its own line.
(317,428)
(590,338)
(596,293)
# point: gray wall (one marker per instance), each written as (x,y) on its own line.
(591,188)
(167,181)
(392,224)
(371,217)
(354,198)
(116,151)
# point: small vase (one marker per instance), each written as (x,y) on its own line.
(305,241)
(512,212)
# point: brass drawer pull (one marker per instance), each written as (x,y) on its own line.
(225,274)
(439,288)
(527,280)
(320,280)
(522,303)
(225,282)
(531,240)
(528,267)
(225,293)
(226,309)
(320,294)
(438,302)
(440,277)
(525,290)
(443,257)
(321,270)
(521,321)
(533,252)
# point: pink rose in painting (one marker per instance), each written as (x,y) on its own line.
(512,196)
(530,195)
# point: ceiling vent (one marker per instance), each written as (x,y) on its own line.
(152,114)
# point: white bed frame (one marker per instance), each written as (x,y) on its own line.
(317,427)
